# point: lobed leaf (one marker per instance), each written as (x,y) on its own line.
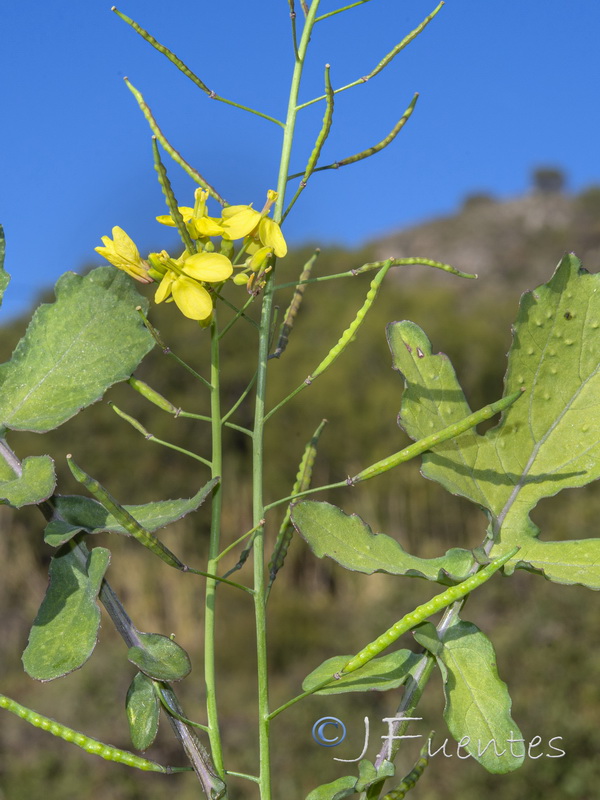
(65,630)
(478,705)
(350,541)
(73,350)
(549,440)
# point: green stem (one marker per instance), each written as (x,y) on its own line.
(290,498)
(259,418)
(340,10)
(292,111)
(259,548)
(214,547)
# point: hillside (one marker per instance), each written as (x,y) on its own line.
(509,243)
(540,630)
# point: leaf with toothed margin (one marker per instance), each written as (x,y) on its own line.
(73,513)
(349,540)
(73,350)
(547,441)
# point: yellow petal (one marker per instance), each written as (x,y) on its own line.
(207,226)
(229,211)
(241,223)
(209,267)
(166,219)
(192,299)
(260,258)
(271,235)
(164,287)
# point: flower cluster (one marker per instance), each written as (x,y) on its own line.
(187,280)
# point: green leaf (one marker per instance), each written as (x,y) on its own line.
(143,707)
(336,790)
(547,441)
(349,785)
(427,636)
(75,513)
(65,630)
(73,350)
(35,485)
(368,774)
(4,276)
(381,674)
(477,701)
(350,541)
(159,657)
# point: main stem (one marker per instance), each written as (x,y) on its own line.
(215,531)
(259,421)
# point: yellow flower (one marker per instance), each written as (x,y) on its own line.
(122,253)
(182,282)
(243,221)
(199,224)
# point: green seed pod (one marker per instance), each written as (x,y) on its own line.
(350,332)
(88,744)
(413,776)
(303,479)
(152,395)
(131,525)
(421,613)
(294,307)
(428,442)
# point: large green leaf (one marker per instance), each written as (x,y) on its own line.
(73,350)
(65,630)
(4,276)
(547,441)
(350,541)
(478,705)
(35,484)
(74,513)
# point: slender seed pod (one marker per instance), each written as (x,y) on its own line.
(403,262)
(175,155)
(165,185)
(153,396)
(131,525)
(325,128)
(376,148)
(88,744)
(428,442)
(320,141)
(243,555)
(189,74)
(294,306)
(350,332)
(423,611)
(302,483)
(413,776)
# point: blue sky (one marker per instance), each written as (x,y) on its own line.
(505,85)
